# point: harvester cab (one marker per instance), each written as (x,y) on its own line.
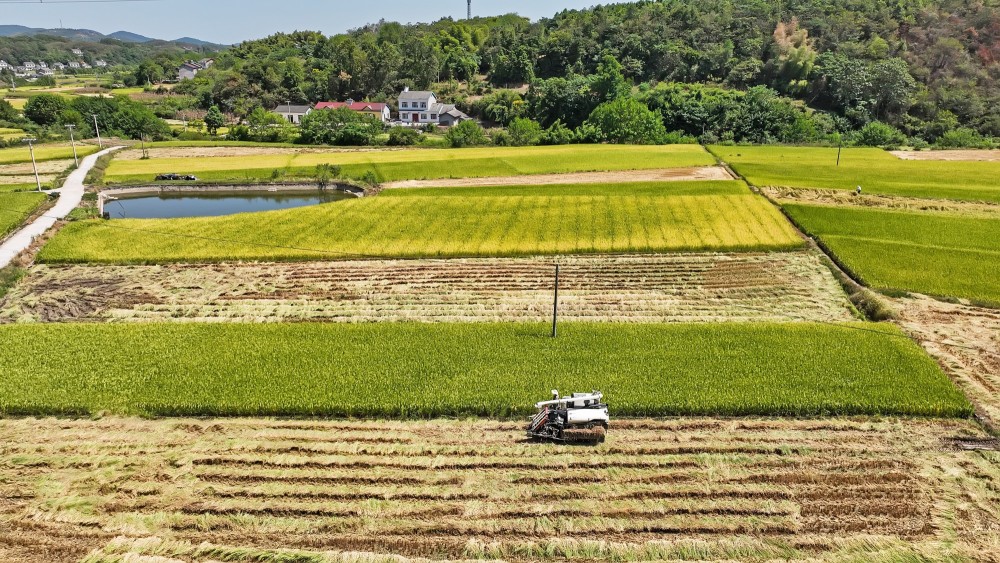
(581,418)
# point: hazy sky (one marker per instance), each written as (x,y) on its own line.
(231,21)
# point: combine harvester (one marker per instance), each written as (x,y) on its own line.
(578,419)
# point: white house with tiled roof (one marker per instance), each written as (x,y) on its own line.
(422,107)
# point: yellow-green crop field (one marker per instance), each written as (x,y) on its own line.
(420,370)
(451,222)
(53,151)
(15,207)
(875,170)
(932,253)
(421,164)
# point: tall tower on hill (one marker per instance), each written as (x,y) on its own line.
(470,9)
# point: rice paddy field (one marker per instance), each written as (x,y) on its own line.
(418,164)
(458,369)
(743,287)
(55,151)
(925,252)
(696,489)
(15,208)
(452,222)
(875,170)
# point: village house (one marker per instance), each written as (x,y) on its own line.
(4,65)
(28,65)
(77,52)
(74,64)
(421,107)
(380,111)
(293,113)
(100,63)
(190,69)
(58,66)
(84,65)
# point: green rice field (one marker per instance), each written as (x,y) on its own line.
(59,151)
(875,170)
(450,222)
(932,253)
(420,164)
(15,207)
(415,370)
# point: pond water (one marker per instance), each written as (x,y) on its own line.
(214,204)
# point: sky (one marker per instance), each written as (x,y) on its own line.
(232,21)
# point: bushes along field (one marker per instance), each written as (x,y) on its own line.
(406,370)
(448,222)
(924,252)
(875,170)
(420,164)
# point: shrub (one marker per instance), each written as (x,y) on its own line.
(466,134)
(963,138)
(524,132)
(403,137)
(878,134)
(629,121)
(558,134)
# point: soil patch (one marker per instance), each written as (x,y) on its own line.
(972,155)
(618,177)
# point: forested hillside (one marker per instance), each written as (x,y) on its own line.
(52,49)
(926,67)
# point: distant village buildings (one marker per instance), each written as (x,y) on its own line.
(190,69)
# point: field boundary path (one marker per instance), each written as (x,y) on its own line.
(70,196)
(613,177)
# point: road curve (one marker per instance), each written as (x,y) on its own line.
(70,196)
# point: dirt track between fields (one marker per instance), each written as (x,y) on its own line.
(474,489)
(955,155)
(618,177)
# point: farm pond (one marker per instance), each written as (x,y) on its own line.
(174,205)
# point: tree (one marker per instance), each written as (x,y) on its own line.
(403,137)
(8,113)
(794,58)
(466,134)
(45,109)
(626,120)
(340,126)
(214,120)
(524,132)
(878,134)
(609,83)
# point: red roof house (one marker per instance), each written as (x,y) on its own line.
(381,111)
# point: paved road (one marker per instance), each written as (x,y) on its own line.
(69,197)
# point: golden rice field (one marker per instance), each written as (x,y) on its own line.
(113,490)
(452,222)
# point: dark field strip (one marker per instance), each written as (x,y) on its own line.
(420,371)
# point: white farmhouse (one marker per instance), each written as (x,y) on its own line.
(4,65)
(293,113)
(421,107)
(28,65)
(77,52)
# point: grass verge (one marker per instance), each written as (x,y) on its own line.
(407,370)
(451,222)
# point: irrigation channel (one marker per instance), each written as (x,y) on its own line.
(180,202)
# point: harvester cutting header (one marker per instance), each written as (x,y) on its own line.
(581,418)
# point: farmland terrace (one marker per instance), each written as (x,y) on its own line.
(694,489)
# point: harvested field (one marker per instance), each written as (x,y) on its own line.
(841,198)
(950,155)
(44,167)
(965,340)
(239,490)
(666,175)
(645,288)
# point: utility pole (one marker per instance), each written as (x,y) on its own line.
(98,131)
(555,307)
(289,111)
(72,141)
(31,149)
